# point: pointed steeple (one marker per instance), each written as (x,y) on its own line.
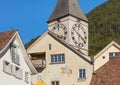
(67,7)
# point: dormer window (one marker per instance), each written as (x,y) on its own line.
(14,54)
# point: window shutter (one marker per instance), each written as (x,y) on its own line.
(13,70)
(17,60)
(20,73)
(27,77)
(13,53)
(6,67)
(17,72)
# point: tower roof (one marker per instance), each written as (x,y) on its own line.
(67,7)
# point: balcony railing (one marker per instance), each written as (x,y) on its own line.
(40,63)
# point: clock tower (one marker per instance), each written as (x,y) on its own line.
(70,24)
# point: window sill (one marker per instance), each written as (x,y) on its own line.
(81,79)
(17,77)
(12,74)
(7,72)
(27,81)
(57,63)
(16,63)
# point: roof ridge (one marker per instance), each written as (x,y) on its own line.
(8,31)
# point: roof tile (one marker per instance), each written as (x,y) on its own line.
(5,37)
(108,74)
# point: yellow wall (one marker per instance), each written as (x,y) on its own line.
(53,72)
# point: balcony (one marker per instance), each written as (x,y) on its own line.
(39,60)
(39,63)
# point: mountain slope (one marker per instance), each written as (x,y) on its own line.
(104,25)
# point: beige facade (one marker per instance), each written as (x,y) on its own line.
(67,73)
(60,55)
(106,54)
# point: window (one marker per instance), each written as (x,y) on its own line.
(55,82)
(18,72)
(82,73)
(14,55)
(7,67)
(103,57)
(58,58)
(12,70)
(49,46)
(111,55)
(26,77)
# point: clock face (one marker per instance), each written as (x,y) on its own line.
(39,77)
(60,30)
(79,35)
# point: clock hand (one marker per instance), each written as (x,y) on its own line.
(60,36)
(82,38)
(80,35)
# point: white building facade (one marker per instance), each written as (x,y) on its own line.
(14,69)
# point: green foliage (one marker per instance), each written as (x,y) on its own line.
(104,25)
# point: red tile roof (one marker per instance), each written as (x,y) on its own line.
(108,74)
(5,37)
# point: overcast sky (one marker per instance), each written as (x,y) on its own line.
(30,16)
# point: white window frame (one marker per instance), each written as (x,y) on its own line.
(82,73)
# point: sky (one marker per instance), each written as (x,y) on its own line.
(30,16)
